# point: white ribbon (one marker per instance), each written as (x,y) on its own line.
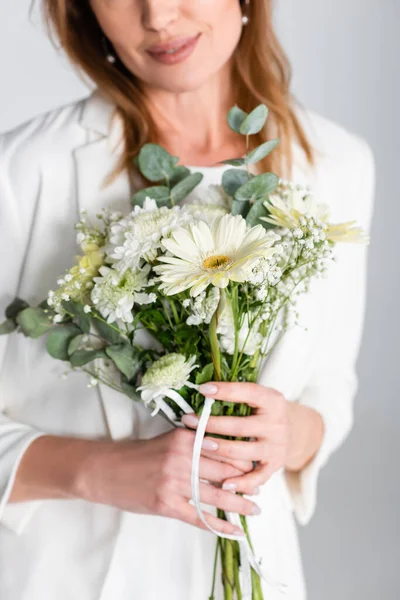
(247,558)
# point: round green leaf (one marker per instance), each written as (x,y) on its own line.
(34,322)
(240,207)
(83,357)
(125,358)
(236,116)
(255,121)
(105,330)
(16,306)
(184,187)
(7,326)
(155,163)
(261,152)
(233,179)
(234,162)
(256,211)
(59,339)
(75,343)
(76,310)
(178,174)
(159,193)
(258,187)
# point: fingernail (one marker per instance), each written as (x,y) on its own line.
(190,420)
(229,486)
(209,444)
(256,510)
(208,389)
(256,491)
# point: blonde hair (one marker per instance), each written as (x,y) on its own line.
(261,72)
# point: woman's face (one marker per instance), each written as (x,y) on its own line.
(209,29)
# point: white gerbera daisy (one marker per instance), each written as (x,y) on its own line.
(115,293)
(164,378)
(139,235)
(202,254)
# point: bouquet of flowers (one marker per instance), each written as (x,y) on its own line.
(214,281)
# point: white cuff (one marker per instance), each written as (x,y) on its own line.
(15,516)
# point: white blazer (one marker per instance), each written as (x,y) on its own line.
(50,168)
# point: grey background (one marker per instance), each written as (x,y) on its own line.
(345,57)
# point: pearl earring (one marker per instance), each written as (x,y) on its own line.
(109,56)
(245,18)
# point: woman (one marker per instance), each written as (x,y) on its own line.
(95,492)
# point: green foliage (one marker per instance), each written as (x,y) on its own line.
(236,116)
(256,211)
(184,187)
(240,207)
(206,374)
(8,326)
(235,162)
(125,358)
(82,357)
(159,193)
(155,163)
(255,121)
(16,306)
(78,314)
(106,331)
(179,173)
(59,339)
(233,179)
(75,343)
(34,322)
(261,152)
(257,188)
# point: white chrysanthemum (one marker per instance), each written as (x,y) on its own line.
(115,293)
(248,343)
(292,206)
(203,307)
(165,377)
(202,254)
(139,235)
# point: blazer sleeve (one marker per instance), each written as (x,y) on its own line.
(333,384)
(15,223)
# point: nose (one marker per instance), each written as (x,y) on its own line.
(160,14)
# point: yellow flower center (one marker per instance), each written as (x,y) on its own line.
(215,262)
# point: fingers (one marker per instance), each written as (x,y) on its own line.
(216,471)
(249,483)
(215,496)
(253,394)
(251,426)
(249,451)
(187,513)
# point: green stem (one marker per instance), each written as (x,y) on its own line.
(212,597)
(174,311)
(236,562)
(215,352)
(228,571)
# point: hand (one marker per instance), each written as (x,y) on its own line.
(268,428)
(153,477)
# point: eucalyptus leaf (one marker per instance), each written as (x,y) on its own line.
(125,358)
(255,121)
(206,374)
(82,357)
(155,163)
(7,326)
(178,174)
(159,193)
(236,116)
(105,330)
(234,162)
(261,152)
(256,211)
(233,179)
(128,389)
(59,339)
(240,207)
(184,187)
(34,322)
(258,187)
(75,343)
(76,310)
(16,306)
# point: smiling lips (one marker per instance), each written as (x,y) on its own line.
(174,51)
